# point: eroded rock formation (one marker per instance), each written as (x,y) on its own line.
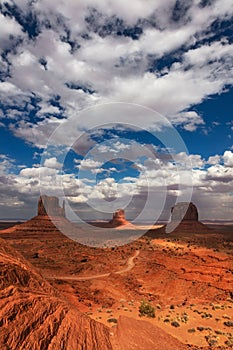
(184,220)
(49,222)
(118,218)
(184,211)
(34,317)
(49,205)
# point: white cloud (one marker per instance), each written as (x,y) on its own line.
(163,178)
(109,67)
(78,199)
(190,120)
(228,158)
(213,160)
(220,173)
(195,160)
(8,88)
(89,164)
(115,67)
(8,27)
(52,163)
(35,172)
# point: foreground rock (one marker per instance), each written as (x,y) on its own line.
(34,317)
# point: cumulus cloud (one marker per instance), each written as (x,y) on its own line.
(228,158)
(84,59)
(161,178)
(190,120)
(9,27)
(214,159)
(59,60)
(52,163)
(91,165)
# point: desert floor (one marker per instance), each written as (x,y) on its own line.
(186,276)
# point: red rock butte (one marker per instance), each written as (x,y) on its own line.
(49,205)
(184,219)
(49,221)
(118,218)
(184,211)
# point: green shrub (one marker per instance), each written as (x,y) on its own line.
(146,309)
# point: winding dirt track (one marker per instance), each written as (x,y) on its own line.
(130,266)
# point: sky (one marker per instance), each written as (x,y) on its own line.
(116,104)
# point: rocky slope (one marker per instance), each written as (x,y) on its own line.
(141,335)
(33,316)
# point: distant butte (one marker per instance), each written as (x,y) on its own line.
(118,218)
(184,211)
(184,219)
(49,221)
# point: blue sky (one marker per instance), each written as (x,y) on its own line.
(162,72)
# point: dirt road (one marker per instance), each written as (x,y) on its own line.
(130,265)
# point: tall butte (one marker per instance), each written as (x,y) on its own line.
(49,221)
(184,211)
(49,205)
(184,219)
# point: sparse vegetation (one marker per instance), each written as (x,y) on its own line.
(206,315)
(191,330)
(211,340)
(146,309)
(112,320)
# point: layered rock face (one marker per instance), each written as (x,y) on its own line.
(49,205)
(34,317)
(118,218)
(184,211)
(49,221)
